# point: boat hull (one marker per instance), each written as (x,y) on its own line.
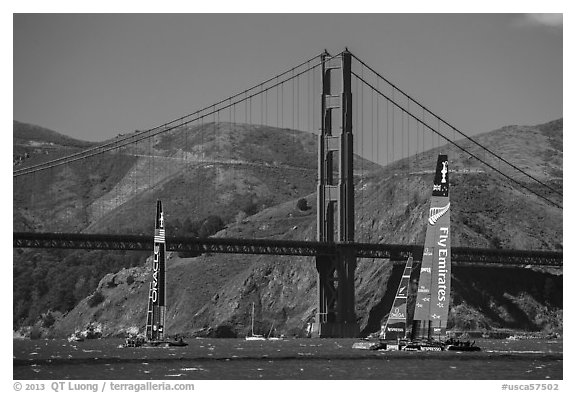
(255,338)
(463,348)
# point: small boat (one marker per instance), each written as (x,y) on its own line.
(140,341)
(93,332)
(177,343)
(76,337)
(273,338)
(424,345)
(134,341)
(252,336)
(370,345)
(461,346)
(165,343)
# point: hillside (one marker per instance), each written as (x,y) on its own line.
(247,167)
(221,170)
(392,206)
(32,143)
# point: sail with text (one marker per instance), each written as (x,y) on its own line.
(433,297)
(395,327)
(157,296)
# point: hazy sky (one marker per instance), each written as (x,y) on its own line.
(93,76)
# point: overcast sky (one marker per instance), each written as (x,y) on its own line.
(94,76)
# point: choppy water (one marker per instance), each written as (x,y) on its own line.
(217,359)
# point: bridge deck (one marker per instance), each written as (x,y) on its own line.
(279,247)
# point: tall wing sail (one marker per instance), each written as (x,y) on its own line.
(440,221)
(433,298)
(395,326)
(157,301)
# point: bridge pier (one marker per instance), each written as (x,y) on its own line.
(335,312)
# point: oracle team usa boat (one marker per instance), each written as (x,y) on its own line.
(155,334)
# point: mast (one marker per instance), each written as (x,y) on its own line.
(252,318)
(396,324)
(433,297)
(155,320)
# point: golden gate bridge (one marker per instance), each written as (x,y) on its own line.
(362,122)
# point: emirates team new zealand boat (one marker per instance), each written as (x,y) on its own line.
(433,296)
(428,331)
(156,315)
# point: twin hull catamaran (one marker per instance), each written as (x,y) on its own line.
(155,334)
(156,315)
(433,295)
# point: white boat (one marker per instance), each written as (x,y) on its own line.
(273,338)
(76,337)
(252,336)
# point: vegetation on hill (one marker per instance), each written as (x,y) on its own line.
(56,280)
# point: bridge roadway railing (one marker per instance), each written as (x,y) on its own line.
(396,252)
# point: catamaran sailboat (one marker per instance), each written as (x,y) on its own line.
(428,331)
(156,314)
(433,296)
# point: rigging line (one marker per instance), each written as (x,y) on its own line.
(293,105)
(408,137)
(423,136)
(299,101)
(377,127)
(393,128)
(261,107)
(126,141)
(297,82)
(372,126)
(455,129)
(313,102)
(437,135)
(308,101)
(387,131)
(402,132)
(468,152)
(158,129)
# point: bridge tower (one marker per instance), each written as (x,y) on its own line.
(335,312)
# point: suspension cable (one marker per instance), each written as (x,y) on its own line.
(122,141)
(458,146)
(119,142)
(454,128)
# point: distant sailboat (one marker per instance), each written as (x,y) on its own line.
(253,336)
(273,338)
